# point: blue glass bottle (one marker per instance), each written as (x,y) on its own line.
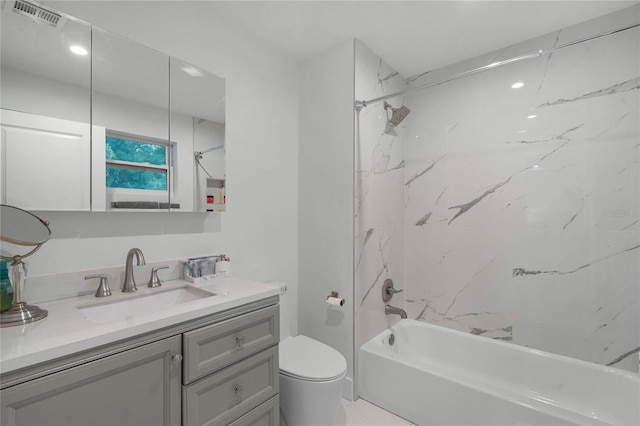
(6,290)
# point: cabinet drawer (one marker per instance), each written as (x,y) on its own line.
(268,414)
(233,391)
(211,348)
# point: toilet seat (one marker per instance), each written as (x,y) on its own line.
(306,359)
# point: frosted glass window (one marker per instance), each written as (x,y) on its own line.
(136,163)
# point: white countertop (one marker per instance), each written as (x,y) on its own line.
(66,330)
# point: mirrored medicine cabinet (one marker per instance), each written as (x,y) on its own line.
(92,121)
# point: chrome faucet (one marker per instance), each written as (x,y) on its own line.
(391,310)
(129,284)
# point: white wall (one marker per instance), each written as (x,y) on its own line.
(259,230)
(326,200)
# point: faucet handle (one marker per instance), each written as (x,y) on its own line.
(103,288)
(388,291)
(154,281)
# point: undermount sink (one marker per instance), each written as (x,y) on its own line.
(142,304)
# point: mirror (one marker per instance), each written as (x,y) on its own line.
(198,132)
(146,134)
(21,228)
(130,105)
(22,234)
(45,82)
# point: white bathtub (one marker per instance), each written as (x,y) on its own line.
(437,376)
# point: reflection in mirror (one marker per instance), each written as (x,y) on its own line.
(99,106)
(45,84)
(198,130)
(22,234)
(132,166)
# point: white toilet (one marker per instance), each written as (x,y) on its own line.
(311,377)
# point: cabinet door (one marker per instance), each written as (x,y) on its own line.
(44,162)
(137,387)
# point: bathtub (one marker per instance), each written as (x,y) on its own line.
(433,375)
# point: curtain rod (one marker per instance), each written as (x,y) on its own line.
(361,104)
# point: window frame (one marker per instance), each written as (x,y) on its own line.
(161,195)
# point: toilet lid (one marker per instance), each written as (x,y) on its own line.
(307,359)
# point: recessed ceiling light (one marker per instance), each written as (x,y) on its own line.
(522,131)
(78,50)
(517,85)
(532,116)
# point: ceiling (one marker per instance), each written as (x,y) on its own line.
(412,36)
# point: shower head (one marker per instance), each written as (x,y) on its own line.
(397,114)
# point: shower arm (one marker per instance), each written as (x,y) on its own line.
(361,104)
(198,154)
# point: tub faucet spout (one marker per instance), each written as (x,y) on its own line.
(129,284)
(392,310)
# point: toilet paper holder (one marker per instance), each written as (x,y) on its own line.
(334,299)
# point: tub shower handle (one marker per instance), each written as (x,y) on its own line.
(388,291)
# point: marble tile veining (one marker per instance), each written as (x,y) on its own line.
(379,194)
(512,214)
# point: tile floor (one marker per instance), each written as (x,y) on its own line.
(363,413)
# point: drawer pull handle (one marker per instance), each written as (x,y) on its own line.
(176,359)
(240,340)
(239,390)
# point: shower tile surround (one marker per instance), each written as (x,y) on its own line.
(515,228)
(379,199)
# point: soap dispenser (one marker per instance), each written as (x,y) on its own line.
(223,265)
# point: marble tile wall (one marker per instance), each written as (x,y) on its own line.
(522,206)
(379,196)
(512,214)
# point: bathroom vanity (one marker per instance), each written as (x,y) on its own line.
(212,360)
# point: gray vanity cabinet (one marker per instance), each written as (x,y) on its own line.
(140,386)
(231,368)
(220,369)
